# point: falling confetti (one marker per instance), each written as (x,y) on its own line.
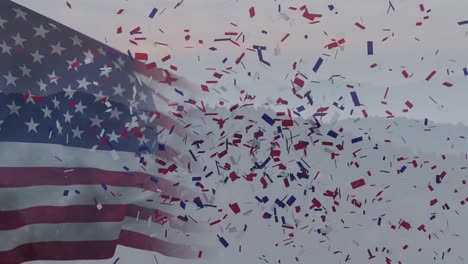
(306,131)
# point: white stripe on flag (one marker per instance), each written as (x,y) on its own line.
(25,197)
(59,232)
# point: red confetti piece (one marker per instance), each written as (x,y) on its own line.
(141,56)
(431,75)
(299,82)
(409,104)
(252,12)
(235,208)
(358,183)
(359,25)
(405,74)
(166,58)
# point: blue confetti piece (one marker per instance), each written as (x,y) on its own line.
(425,121)
(198,202)
(225,59)
(292,177)
(161,147)
(179,91)
(153,179)
(317,64)
(300,108)
(432,217)
(104,186)
(222,39)
(117,260)
(355,98)
(278,128)
(268,119)
(370,48)
(403,169)
(153,13)
(193,156)
(213,49)
(260,54)
(223,241)
(331,7)
(209,174)
(65,193)
(332,134)
(465,71)
(379,221)
(265,199)
(280,203)
(300,165)
(198,178)
(320,114)
(309,98)
(265,163)
(182,204)
(462,22)
(355,140)
(77,192)
(126,168)
(291,200)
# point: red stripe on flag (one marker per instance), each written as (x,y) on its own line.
(61,214)
(76,250)
(36,176)
(87,214)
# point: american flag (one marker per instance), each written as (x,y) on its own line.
(80,167)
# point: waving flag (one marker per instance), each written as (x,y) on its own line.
(77,148)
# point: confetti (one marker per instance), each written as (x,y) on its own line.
(252,12)
(370,48)
(317,64)
(153,13)
(198,132)
(358,183)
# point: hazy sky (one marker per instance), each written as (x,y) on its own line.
(208,20)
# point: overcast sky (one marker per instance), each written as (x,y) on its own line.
(408,47)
